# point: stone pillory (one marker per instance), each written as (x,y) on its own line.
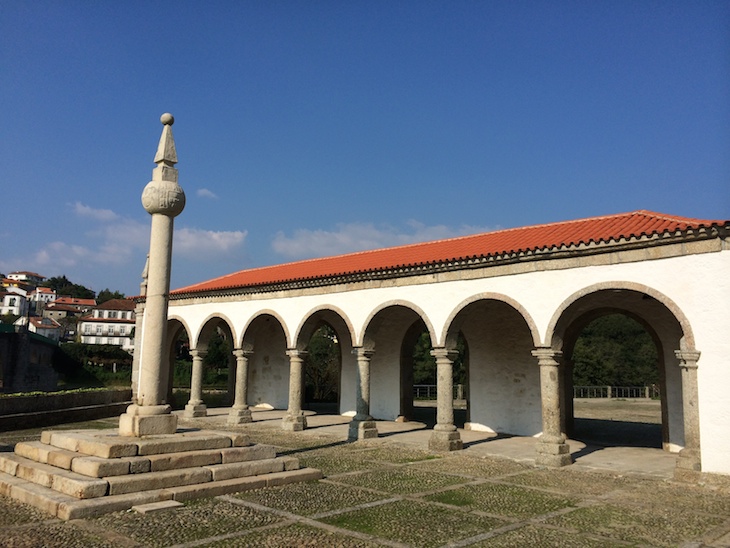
(163,199)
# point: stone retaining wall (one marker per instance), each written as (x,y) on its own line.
(20,412)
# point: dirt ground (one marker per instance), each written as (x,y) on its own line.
(646,411)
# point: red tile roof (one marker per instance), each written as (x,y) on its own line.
(491,244)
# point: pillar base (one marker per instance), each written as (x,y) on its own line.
(239,416)
(553,454)
(193,410)
(689,465)
(445,439)
(294,423)
(362,429)
(150,420)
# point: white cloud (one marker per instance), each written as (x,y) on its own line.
(104,215)
(205,193)
(194,243)
(350,237)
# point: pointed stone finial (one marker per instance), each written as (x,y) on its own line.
(163,194)
(166,152)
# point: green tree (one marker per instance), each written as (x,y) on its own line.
(9,318)
(215,363)
(322,366)
(107,295)
(615,350)
(63,286)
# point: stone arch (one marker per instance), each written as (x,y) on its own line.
(391,378)
(555,328)
(503,381)
(658,314)
(266,338)
(371,322)
(175,327)
(243,343)
(448,325)
(342,325)
(324,312)
(208,325)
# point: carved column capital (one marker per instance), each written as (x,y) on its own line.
(363,353)
(547,356)
(195,353)
(687,358)
(442,353)
(241,353)
(295,354)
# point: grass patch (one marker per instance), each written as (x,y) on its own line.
(504,500)
(197,520)
(532,535)
(401,480)
(292,535)
(638,525)
(309,498)
(414,523)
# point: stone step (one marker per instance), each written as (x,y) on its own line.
(58,479)
(108,444)
(99,467)
(66,507)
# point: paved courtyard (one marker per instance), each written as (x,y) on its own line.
(393,491)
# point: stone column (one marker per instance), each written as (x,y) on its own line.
(362,425)
(240,413)
(445,436)
(195,406)
(689,461)
(163,199)
(552,449)
(295,420)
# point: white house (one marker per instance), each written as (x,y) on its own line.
(45,327)
(519,298)
(110,323)
(30,278)
(14,301)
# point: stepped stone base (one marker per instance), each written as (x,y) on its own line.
(86,473)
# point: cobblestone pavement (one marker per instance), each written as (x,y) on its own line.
(387,493)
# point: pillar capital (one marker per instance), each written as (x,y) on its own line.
(362,352)
(547,356)
(241,353)
(687,358)
(293,353)
(195,353)
(442,353)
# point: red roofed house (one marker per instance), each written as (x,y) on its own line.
(518,298)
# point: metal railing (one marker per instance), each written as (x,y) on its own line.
(620,392)
(428,392)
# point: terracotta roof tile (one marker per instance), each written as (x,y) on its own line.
(491,244)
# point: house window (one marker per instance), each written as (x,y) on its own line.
(112,313)
(122,331)
(97,340)
(98,330)
(87,329)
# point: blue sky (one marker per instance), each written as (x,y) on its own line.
(313,128)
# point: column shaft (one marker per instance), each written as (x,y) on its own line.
(552,449)
(195,406)
(295,419)
(445,436)
(362,425)
(240,413)
(689,462)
